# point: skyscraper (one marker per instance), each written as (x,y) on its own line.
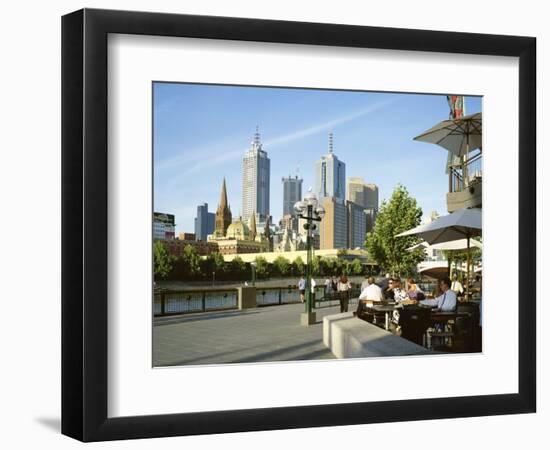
(330,175)
(204,222)
(357,225)
(223,214)
(364,194)
(356,191)
(292,192)
(371,196)
(256,173)
(334,226)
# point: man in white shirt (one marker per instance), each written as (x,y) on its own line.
(457,286)
(372,292)
(445,302)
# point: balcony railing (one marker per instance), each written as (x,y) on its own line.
(462,177)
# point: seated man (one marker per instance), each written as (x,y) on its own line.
(371,293)
(446,302)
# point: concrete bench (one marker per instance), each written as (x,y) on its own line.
(350,337)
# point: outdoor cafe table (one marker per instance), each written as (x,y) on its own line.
(386,309)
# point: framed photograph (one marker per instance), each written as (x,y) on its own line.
(272,224)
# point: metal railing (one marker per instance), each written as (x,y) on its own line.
(473,170)
(183,302)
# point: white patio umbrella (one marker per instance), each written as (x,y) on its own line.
(464,223)
(460,244)
(458,136)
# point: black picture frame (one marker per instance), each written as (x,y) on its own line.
(84,224)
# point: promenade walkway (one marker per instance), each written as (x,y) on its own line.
(270,333)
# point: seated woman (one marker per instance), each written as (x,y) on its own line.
(401,298)
(413,291)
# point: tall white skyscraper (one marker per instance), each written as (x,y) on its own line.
(256,170)
(330,175)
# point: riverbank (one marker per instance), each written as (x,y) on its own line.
(268,283)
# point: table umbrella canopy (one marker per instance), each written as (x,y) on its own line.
(459,136)
(463,223)
(459,244)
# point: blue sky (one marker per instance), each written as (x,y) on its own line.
(202,131)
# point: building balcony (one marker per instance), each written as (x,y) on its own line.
(465,185)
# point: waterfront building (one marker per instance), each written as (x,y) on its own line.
(255,181)
(292,192)
(204,222)
(330,176)
(164,226)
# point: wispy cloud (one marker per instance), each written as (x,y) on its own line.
(204,161)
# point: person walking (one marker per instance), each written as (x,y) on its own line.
(328,286)
(344,287)
(302,289)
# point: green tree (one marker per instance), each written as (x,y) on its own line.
(237,267)
(299,266)
(162,260)
(190,262)
(400,214)
(356,268)
(329,266)
(281,266)
(262,267)
(215,264)
(316,266)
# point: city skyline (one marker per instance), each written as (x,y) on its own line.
(195,148)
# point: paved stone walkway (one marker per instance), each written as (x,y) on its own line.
(269,333)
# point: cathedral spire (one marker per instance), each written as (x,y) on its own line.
(223,213)
(253,227)
(223,196)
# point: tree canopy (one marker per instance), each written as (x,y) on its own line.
(162,260)
(400,214)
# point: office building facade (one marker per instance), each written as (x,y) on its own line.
(204,222)
(357,225)
(334,226)
(164,226)
(292,192)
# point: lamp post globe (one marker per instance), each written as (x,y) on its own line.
(299,207)
(311,199)
(320,211)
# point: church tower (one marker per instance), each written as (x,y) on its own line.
(223,214)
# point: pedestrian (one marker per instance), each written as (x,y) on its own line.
(344,287)
(328,285)
(302,288)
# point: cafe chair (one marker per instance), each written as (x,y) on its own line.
(414,323)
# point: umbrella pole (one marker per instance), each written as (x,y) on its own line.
(468,268)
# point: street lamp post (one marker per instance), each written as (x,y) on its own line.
(310,210)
